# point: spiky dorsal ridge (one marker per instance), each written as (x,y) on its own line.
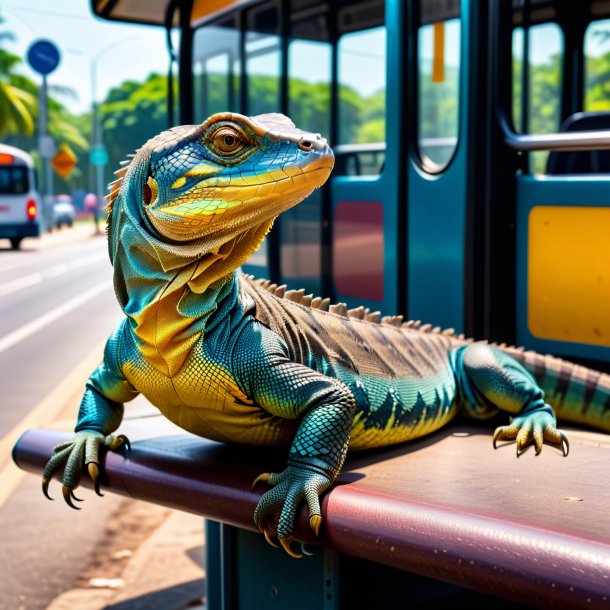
(115,186)
(359,313)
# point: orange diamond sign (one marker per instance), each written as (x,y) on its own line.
(64,161)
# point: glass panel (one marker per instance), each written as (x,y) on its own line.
(309,74)
(309,85)
(597,66)
(545,61)
(362,86)
(517,79)
(439,89)
(263,60)
(13,180)
(216,70)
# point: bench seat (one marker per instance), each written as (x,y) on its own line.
(534,530)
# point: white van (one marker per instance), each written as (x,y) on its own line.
(20,203)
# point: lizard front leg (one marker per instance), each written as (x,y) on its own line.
(100,414)
(325,407)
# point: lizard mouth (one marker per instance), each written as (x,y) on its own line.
(226,199)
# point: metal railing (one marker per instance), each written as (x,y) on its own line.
(573,141)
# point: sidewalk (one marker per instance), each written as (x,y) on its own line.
(151,557)
(164,571)
(81,231)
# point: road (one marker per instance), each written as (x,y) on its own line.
(57,308)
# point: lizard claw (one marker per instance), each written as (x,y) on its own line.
(286,541)
(536,427)
(67,491)
(74,497)
(565,444)
(289,489)
(315,521)
(45,488)
(94,473)
(498,436)
(261,478)
(83,449)
(125,442)
(117,441)
(305,551)
(268,538)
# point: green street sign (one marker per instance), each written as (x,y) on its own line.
(98,155)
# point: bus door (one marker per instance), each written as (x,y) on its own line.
(563,196)
(364,186)
(437,163)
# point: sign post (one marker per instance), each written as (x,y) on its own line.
(43,57)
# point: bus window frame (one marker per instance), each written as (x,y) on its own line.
(559,141)
(415,149)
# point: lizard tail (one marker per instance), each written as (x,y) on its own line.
(577,394)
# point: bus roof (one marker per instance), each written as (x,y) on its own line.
(153,11)
(20,156)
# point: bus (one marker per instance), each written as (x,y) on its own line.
(471,188)
(19,199)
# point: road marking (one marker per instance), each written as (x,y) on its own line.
(37,324)
(23,282)
(46,411)
(36,278)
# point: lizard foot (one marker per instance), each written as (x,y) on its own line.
(84,448)
(536,427)
(290,487)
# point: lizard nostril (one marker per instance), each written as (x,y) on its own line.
(305,145)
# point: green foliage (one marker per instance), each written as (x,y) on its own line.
(544,107)
(597,87)
(131,114)
(17,106)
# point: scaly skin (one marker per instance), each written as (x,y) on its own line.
(236,360)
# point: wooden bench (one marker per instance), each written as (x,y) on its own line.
(436,519)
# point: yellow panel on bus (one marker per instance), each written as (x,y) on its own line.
(569,274)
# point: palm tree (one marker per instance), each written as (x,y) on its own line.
(17,107)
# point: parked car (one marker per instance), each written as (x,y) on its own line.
(19,200)
(63,211)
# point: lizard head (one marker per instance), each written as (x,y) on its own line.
(226,177)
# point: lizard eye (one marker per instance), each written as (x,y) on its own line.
(150,191)
(228,141)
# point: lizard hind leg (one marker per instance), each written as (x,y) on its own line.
(492,379)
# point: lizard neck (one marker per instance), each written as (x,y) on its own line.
(187,284)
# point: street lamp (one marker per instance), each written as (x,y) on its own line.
(96,132)
(99,157)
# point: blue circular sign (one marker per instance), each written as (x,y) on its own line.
(43,56)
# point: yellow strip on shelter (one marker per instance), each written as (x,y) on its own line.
(568,286)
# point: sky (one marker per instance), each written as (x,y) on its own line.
(115,51)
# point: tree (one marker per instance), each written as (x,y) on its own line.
(17,106)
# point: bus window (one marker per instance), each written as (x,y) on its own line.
(13,180)
(362,87)
(309,85)
(309,74)
(216,69)
(438,83)
(541,112)
(597,66)
(263,59)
